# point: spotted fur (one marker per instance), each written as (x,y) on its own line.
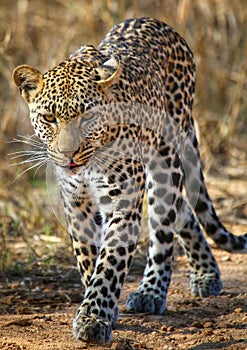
(117,121)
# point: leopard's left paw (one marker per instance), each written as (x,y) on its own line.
(92,330)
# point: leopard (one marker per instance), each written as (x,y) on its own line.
(116,124)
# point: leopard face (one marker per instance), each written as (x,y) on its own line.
(63,106)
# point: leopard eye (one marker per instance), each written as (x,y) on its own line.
(50,118)
(86,116)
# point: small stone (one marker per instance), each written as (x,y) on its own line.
(238,310)
(226,258)
(208,324)
(163,328)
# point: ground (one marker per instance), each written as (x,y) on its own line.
(39,312)
(38,302)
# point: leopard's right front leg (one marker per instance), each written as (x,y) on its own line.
(97,315)
(116,220)
(84,223)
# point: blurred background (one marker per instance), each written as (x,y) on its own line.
(44,32)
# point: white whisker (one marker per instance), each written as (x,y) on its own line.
(33,156)
(46,161)
(29,160)
(37,155)
(28,140)
(25,152)
(39,165)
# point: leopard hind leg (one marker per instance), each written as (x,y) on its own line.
(205,275)
(163,190)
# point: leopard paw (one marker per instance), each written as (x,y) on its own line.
(205,285)
(92,330)
(153,304)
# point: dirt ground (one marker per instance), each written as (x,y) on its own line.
(38,303)
(38,313)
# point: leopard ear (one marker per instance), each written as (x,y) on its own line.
(108,71)
(29,80)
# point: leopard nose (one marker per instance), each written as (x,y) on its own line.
(68,154)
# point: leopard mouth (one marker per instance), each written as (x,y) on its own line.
(72,165)
(69,165)
(76,160)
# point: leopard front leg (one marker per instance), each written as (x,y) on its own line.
(98,313)
(121,208)
(84,223)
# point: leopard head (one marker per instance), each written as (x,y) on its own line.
(63,103)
